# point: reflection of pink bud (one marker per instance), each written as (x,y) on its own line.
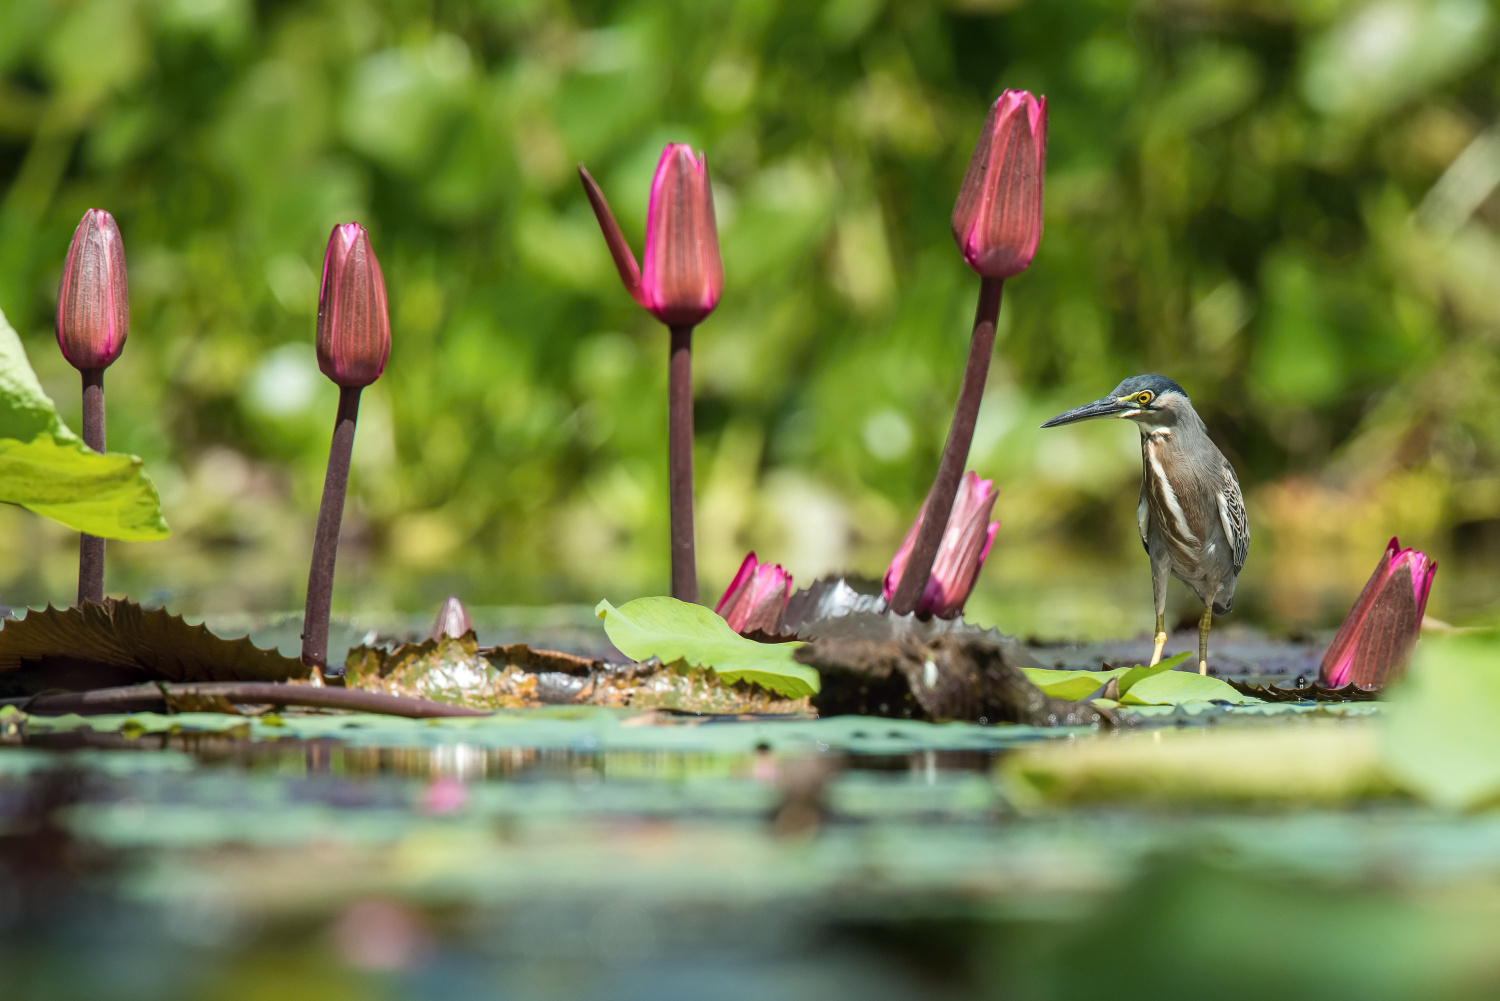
(354,327)
(444,794)
(681,275)
(452,620)
(966,542)
(998,219)
(93,299)
(1374,644)
(757,597)
(380,935)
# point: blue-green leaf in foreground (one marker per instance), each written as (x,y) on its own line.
(46,468)
(675,630)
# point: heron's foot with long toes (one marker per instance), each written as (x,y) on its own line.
(1161,641)
(1204,625)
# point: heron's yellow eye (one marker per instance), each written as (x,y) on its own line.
(1143,397)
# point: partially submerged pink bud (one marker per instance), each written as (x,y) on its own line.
(757,597)
(1375,642)
(681,275)
(452,620)
(93,299)
(354,327)
(966,542)
(998,218)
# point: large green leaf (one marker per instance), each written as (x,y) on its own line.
(675,630)
(45,468)
(1172,688)
(1157,685)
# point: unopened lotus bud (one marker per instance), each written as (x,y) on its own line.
(1375,641)
(966,542)
(354,327)
(681,274)
(452,620)
(757,597)
(998,218)
(93,300)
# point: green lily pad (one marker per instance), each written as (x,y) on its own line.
(1157,685)
(46,468)
(672,630)
(1171,688)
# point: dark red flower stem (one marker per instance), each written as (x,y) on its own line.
(90,547)
(955,452)
(326,541)
(680,463)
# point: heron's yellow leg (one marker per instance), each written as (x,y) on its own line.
(1204,625)
(1161,640)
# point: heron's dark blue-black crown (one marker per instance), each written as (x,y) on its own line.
(1158,384)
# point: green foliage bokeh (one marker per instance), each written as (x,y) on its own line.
(1265,199)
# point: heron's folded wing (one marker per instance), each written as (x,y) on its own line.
(1232,514)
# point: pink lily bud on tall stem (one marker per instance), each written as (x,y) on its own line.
(1376,639)
(756,598)
(93,317)
(998,224)
(966,542)
(353,342)
(680,285)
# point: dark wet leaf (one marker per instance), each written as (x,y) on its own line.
(1306,693)
(829,598)
(120,643)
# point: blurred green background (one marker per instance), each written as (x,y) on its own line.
(1286,205)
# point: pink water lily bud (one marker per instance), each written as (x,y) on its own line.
(757,597)
(998,218)
(681,275)
(452,620)
(93,299)
(966,542)
(1375,642)
(354,327)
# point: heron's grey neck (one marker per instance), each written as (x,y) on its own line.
(1176,427)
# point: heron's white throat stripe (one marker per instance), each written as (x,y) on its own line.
(1170,496)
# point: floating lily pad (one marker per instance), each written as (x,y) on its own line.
(1157,685)
(458,671)
(672,630)
(445,669)
(120,643)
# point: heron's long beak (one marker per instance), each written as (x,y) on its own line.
(1107,407)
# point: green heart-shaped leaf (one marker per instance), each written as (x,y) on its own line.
(672,630)
(46,468)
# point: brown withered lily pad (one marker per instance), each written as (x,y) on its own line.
(120,643)
(458,671)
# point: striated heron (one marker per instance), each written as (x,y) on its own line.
(1191,514)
